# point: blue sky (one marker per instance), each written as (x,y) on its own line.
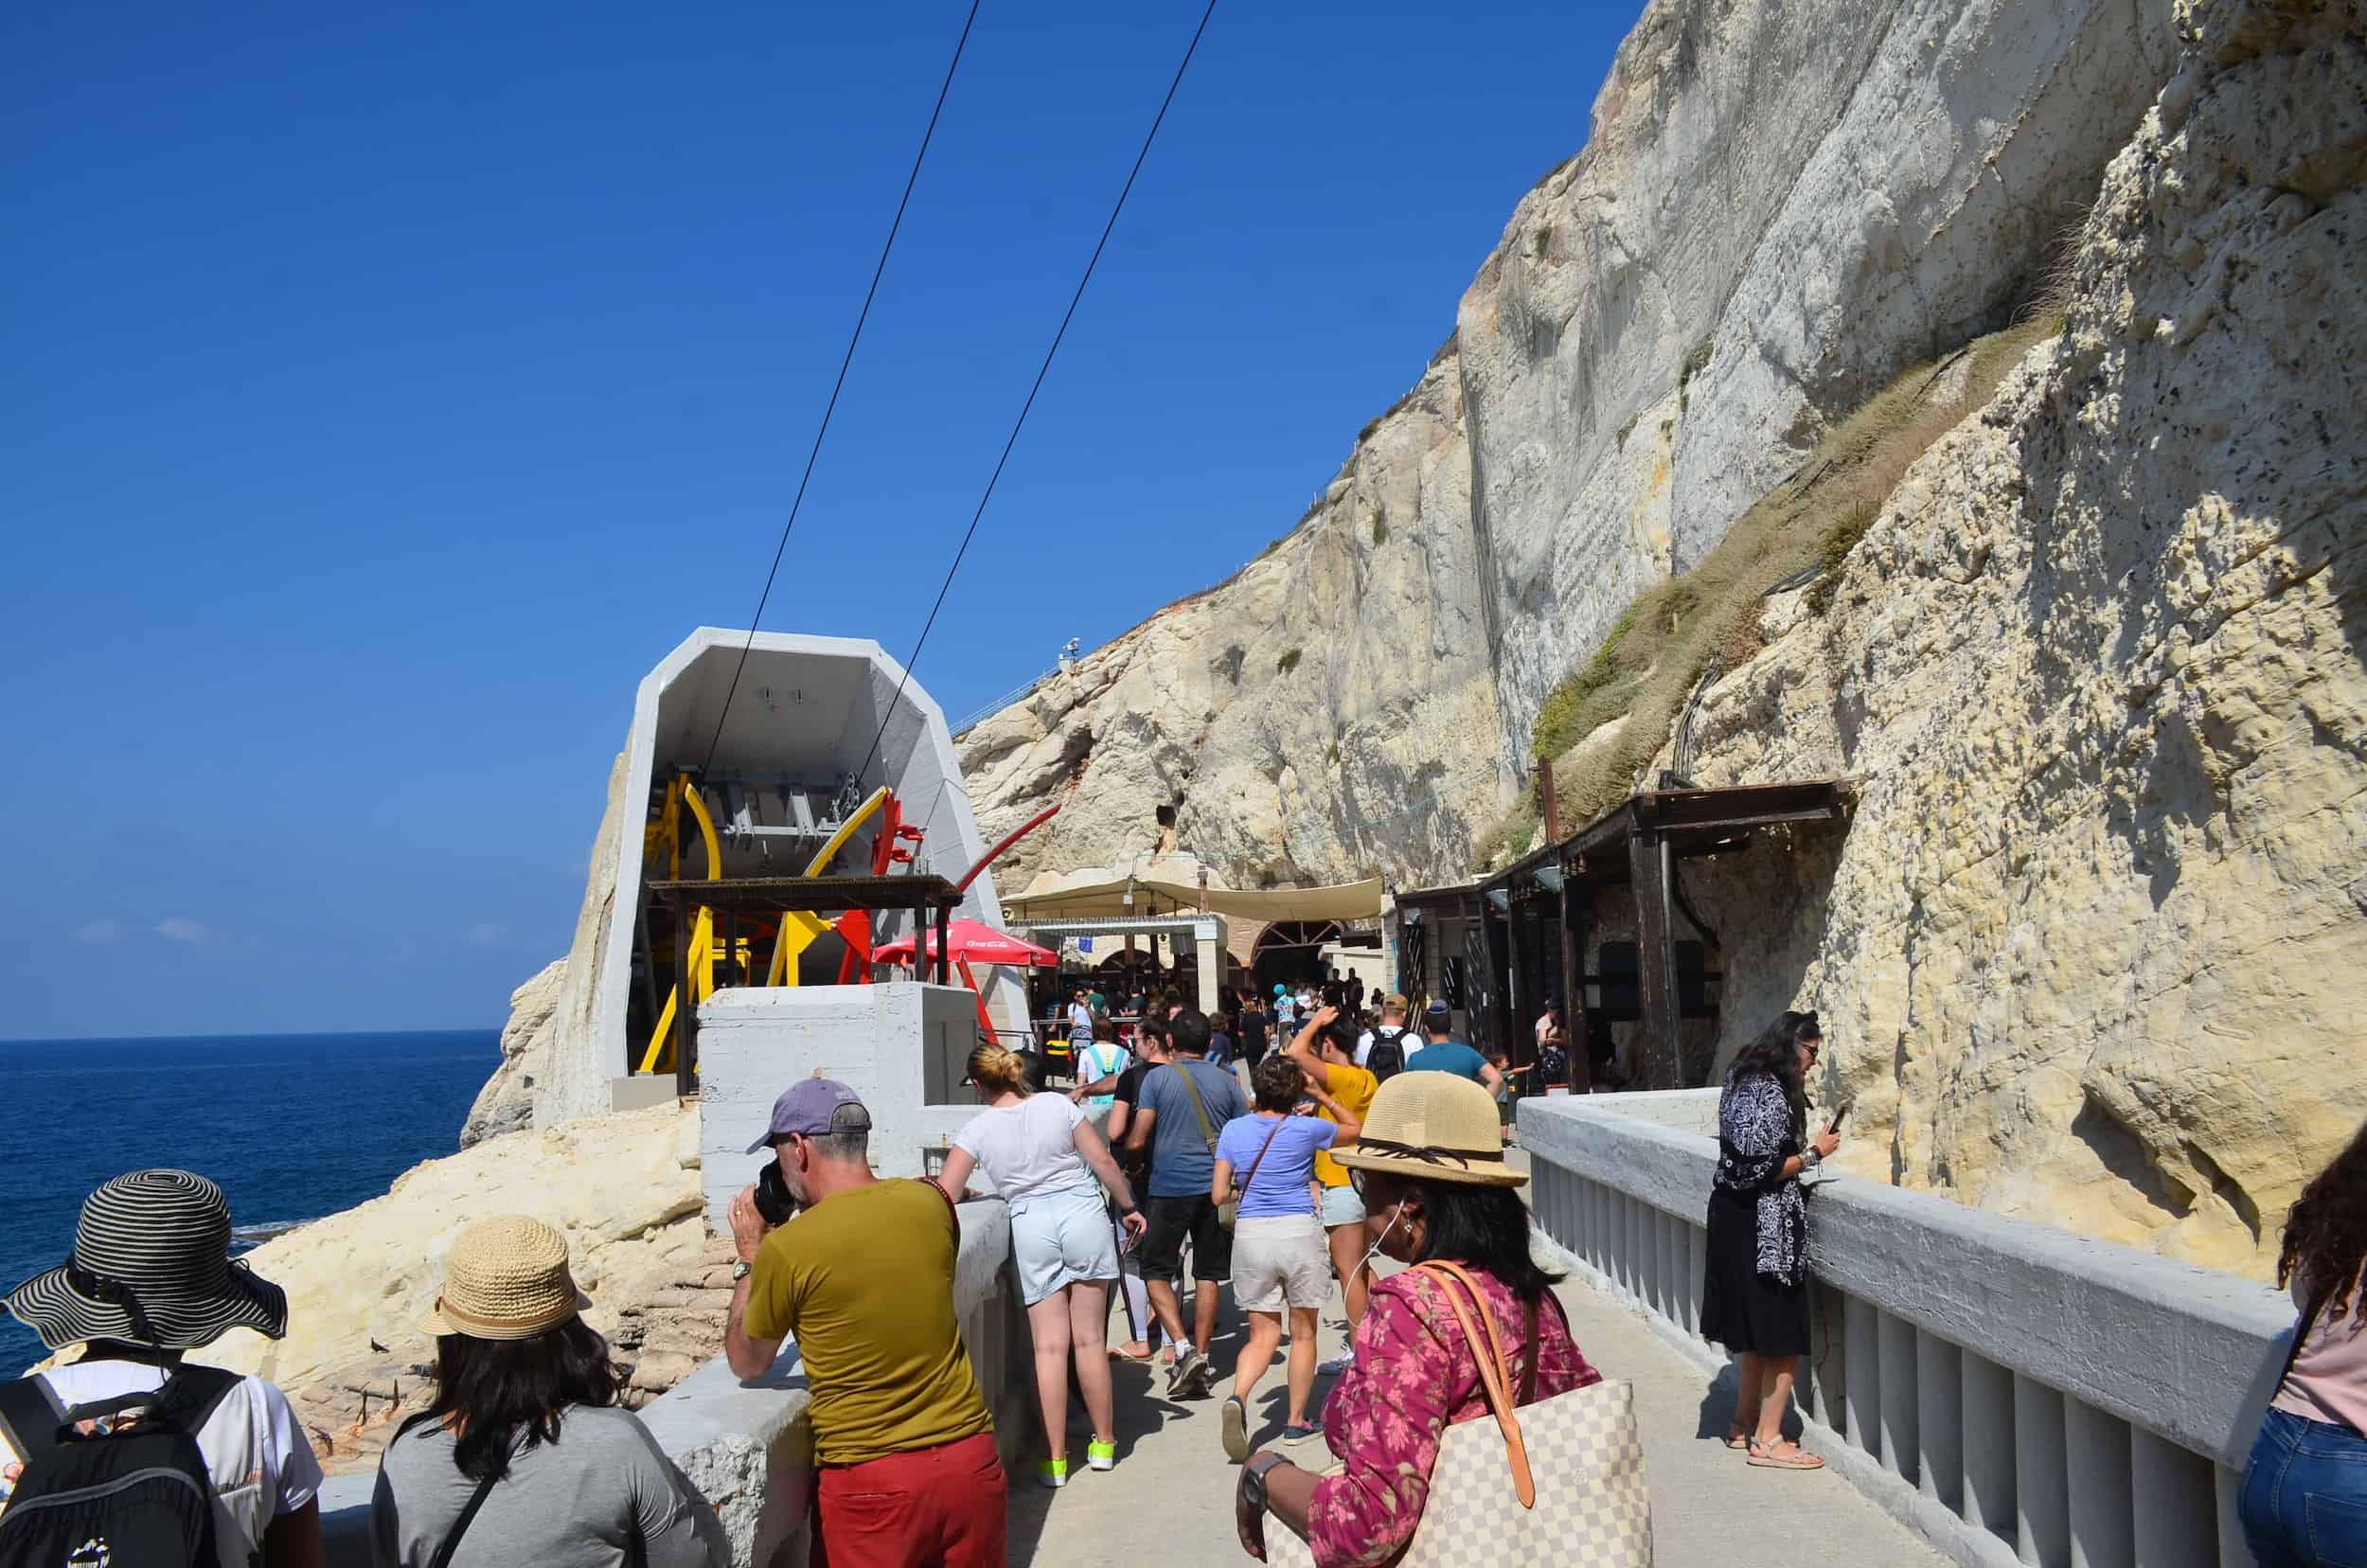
(382,391)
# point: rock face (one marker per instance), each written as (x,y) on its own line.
(622,1188)
(2090,948)
(539,1082)
(1777,209)
(2095,945)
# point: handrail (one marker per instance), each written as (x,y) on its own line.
(1002,702)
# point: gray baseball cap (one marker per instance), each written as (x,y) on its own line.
(810,1107)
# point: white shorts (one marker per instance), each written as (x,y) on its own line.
(1342,1206)
(1060,1238)
(1279,1260)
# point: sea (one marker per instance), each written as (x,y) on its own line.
(292,1127)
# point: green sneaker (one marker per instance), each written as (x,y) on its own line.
(1101,1456)
(1052,1472)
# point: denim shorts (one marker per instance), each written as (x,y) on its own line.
(1060,1238)
(1342,1206)
(2304,1501)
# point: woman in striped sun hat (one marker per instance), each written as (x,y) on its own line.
(150,1278)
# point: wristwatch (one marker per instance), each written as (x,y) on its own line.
(1254,1478)
(741,1270)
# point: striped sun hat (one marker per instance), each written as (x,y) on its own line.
(152,1266)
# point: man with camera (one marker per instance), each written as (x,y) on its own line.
(860,1271)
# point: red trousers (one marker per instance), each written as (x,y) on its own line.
(939,1508)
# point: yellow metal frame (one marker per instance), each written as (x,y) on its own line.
(799,928)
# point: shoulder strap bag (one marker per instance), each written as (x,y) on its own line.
(1230,1209)
(1226,1212)
(1563,1481)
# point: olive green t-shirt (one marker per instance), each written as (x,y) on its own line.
(864,1282)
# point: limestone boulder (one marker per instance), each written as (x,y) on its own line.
(616,1186)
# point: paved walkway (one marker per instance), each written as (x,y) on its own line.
(1170,1499)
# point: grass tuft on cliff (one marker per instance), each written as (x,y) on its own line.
(1661,645)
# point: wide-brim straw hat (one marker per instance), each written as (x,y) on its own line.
(151,1265)
(1433,1127)
(506,1279)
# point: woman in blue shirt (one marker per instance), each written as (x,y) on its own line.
(1279,1257)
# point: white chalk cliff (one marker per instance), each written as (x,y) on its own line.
(2091,947)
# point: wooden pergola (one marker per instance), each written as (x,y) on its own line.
(1515,939)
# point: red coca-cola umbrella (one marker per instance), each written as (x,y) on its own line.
(972,943)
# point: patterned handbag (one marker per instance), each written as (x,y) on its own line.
(1486,1508)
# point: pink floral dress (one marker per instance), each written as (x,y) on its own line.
(1414,1377)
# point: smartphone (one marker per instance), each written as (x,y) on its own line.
(1839,1114)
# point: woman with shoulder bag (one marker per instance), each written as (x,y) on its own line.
(2303,1500)
(1435,1343)
(1266,1160)
(524,1456)
(1755,1295)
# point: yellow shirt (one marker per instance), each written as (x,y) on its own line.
(864,1282)
(1354,1088)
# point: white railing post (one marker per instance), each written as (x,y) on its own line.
(1863,1390)
(1897,1350)
(2227,1485)
(1939,1419)
(1988,1446)
(2095,1453)
(2172,1504)
(2041,1479)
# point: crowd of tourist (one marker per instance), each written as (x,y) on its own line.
(1285,1175)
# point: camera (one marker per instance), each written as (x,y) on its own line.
(773,1200)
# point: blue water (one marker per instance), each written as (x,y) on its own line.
(292,1127)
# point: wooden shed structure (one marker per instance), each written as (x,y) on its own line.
(1499,948)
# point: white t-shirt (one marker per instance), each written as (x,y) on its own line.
(1080,1022)
(259,1458)
(1030,1148)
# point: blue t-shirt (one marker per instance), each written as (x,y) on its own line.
(1284,1170)
(1181,1165)
(1447,1055)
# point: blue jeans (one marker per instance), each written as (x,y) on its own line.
(2304,1501)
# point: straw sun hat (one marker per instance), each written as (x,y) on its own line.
(1433,1127)
(506,1279)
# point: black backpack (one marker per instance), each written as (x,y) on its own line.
(137,1497)
(1386,1059)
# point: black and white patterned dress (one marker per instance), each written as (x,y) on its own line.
(1755,1295)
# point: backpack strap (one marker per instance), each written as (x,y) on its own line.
(191,1395)
(31,1415)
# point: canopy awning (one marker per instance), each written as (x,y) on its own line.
(1105,896)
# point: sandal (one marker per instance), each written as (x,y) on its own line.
(1128,1353)
(1772,1456)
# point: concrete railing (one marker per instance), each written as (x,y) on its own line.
(748,1447)
(2016,1394)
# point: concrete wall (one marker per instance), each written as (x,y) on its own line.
(748,1447)
(888,1043)
(806,705)
(2014,1393)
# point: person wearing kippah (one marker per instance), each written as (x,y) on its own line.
(150,1278)
(525,1455)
